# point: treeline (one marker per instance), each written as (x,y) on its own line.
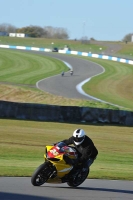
(47,32)
(37,31)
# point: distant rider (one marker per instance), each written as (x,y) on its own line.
(71,71)
(62,74)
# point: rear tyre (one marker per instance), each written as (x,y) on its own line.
(78,177)
(41,175)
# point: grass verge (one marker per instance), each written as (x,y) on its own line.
(23,142)
(27,68)
(114,85)
(75,45)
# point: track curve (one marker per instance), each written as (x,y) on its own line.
(66,86)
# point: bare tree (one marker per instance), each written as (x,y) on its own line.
(127,38)
(59,33)
(50,31)
(7,28)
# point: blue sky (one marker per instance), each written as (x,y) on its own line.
(106,20)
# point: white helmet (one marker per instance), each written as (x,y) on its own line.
(78,136)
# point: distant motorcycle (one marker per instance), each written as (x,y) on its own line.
(62,74)
(57,167)
(71,72)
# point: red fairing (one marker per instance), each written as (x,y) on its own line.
(57,151)
(54,151)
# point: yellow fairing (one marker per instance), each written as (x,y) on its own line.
(61,166)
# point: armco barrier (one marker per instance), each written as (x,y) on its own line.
(69,114)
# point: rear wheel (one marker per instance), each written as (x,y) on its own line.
(79,177)
(41,175)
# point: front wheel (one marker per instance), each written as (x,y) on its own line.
(41,175)
(78,177)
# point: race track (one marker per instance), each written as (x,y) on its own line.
(66,86)
(22,189)
(15,188)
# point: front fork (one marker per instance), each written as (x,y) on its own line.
(52,170)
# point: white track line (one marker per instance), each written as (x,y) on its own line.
(81,91)
(79,86)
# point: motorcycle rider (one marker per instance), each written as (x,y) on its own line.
(84,146)
(62,74)
(71,71)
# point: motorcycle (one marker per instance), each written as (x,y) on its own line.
(58,167)
(62,74)
(71,72)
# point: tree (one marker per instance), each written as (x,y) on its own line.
(47,32)
(7,28)
(37,31)
(59,33)
(31,31)
(127,37)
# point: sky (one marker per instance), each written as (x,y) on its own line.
(103,20)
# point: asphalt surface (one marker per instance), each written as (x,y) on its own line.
(22,189)
(66,86)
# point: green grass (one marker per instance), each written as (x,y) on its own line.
(76,45)
(47,43)
(114,85)
(127,50)
(26,68)
(23,142)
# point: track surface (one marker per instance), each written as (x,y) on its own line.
(21,189)
(66,86)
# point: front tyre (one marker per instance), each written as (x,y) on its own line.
(41,175)
(79,177)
